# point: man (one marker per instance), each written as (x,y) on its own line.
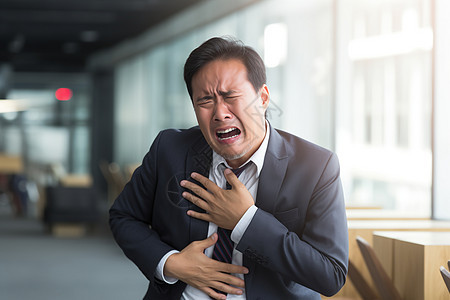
(285,211)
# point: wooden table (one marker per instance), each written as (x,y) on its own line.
(382,214)
(365,229)
(10,164)
(412,259)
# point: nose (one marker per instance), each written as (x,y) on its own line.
(221,111)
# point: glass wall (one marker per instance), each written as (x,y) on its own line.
(352,75)
(383,129)
(50,135)
(300,83)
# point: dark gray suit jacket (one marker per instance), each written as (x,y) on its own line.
(295,247)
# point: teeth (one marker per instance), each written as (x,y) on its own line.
(229,137)
(220,133)
(226,130)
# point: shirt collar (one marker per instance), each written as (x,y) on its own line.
(257,158)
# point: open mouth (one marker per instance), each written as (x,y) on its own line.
(228,133)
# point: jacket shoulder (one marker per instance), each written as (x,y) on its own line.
(181,137)
(181,133)
(297,145)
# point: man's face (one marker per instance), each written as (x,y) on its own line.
(229,111)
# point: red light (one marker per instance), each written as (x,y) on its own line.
(63,94)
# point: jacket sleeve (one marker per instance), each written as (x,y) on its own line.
(313,254)
(131,215)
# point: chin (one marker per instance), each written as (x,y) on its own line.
(233,155)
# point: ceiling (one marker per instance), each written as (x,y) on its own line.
(59,35)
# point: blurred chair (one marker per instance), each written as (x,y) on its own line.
(114,179)
(383,283)
(13,182)
(129,170)
(359,282)
(446,276)
(56,171)
(71,205)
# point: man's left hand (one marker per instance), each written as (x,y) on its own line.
(223,207)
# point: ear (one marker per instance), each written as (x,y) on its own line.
(265,97)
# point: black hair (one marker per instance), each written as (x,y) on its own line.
(225,48)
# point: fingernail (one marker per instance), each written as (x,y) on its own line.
(245,271)
(227,171)
(183,182)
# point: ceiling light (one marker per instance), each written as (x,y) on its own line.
(12,105)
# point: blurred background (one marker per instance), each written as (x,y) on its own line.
(85,86)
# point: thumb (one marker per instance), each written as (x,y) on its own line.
(231,177)
(208,242)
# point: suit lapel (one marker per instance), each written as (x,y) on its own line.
(272,173)
(199,159)
(270,180)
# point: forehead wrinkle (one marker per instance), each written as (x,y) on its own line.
(213,82)
(226,86)
(227,93)
(206,91)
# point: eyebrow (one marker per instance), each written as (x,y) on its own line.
(203,98)
(221,93)
(227,93)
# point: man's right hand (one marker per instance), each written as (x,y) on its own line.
(193,267)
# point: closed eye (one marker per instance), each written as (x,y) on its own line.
(204,100)
(231,99)
(228,94)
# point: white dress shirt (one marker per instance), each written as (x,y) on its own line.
(250,178)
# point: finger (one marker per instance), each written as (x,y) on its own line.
(208,242)
(213,294)
(196,200)
(231,178)
(196,189)
(200,216)
(208,184)
(227,288)
(231,280)
(230,268)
